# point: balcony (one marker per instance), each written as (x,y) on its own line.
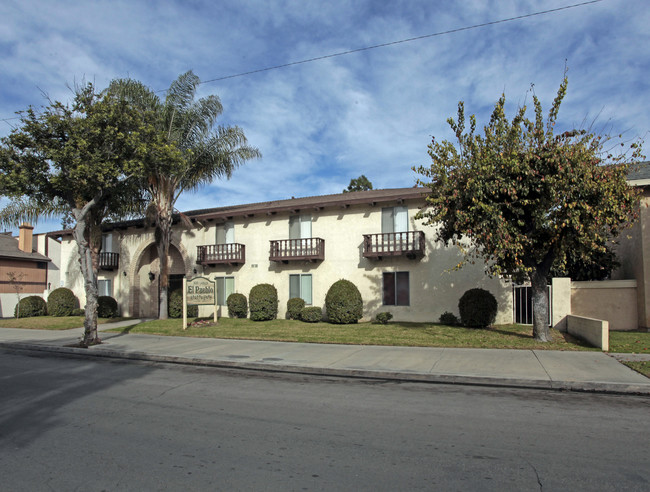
(286,250)
(221,254)
(109,261)
(409,244)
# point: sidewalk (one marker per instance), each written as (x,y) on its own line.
(541,369)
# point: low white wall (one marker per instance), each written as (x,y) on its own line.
(612,300)
(593,331)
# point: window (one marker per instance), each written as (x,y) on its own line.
(394,219)
(107,243)
(300,227)
(225,287)
(226,233)
(105,287)
(396,289)
(300,286)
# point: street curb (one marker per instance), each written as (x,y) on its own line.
(105,353)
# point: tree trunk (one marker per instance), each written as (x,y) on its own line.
(163,240)
(539,286)
(80,233)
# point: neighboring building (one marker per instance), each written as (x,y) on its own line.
(27,258)
(301,246)
(634,248)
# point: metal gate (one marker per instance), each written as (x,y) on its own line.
(522,304)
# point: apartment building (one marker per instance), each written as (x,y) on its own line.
(301,246)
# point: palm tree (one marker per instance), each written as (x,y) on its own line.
(205,152)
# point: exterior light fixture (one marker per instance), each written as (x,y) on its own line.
(152,276)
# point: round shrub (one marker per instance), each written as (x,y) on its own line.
(30,306)
(343,303)
(78,312)
(106,307)
(449,319)
(263,302)
(383,318)
(478,308)
(237,305)
(61,302)
(311,314)
(175,306)
(295,305)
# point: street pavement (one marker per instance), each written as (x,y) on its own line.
(541,369)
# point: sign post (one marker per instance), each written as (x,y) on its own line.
(199,291)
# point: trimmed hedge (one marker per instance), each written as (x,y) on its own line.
(449,319)
(263,302)
(106,307)
(61,302)
(311,314)
(295,305)
(478,308)
(30,306)
(175,306)
(383,318)
(237,305)
(343,303)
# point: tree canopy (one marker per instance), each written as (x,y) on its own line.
(524,199)
(207,151)
(80,160)
(359,184)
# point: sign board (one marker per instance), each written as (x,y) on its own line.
(200,291)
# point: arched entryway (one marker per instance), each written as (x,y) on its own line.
(147,278)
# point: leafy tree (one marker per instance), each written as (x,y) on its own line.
(207,152)
(525,198)
(360,184)
(80,160)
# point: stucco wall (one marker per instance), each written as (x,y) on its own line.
(433,289)
(614,301)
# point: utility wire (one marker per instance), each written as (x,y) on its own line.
(383,45)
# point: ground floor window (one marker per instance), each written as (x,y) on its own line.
(396,289)
(225,287)
(300,286)
(105,287)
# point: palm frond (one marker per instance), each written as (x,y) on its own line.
(30,210)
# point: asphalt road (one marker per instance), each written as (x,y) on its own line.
(75,424)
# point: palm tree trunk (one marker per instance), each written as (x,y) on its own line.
(163,241)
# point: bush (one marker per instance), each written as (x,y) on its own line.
(343,303)
(61,302)
(478,308)
(78,312)
(175,306)
(237,306)
(311,314)
(449,319)
(263,302)
(106,307)
(30,306)
(295,305)
(383,318)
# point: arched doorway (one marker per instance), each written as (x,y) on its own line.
(148,279)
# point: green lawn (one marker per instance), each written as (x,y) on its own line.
(642,367)
(636,342)
(399,334)
(49,322)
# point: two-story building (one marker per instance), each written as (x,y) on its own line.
(301,246)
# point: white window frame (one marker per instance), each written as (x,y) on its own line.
(105,287)
(225,285)
(303,288)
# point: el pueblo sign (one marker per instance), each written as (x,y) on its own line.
(197,292)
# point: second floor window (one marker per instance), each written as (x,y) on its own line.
(394,219)
(300,227)
(107,243)
(225,233)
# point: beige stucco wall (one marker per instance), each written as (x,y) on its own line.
(633,253)
(614,301)
(433,289)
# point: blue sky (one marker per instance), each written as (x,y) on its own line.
(322,123)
